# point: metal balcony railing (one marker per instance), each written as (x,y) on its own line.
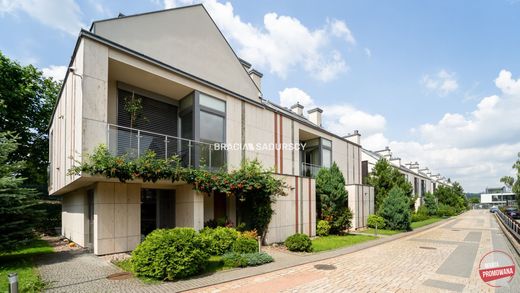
(134,143)
(309,170)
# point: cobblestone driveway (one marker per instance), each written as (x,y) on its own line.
(441,259)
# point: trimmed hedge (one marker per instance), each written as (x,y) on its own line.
(168,254)
(245,245)
(298,242)
(233,259)
(219,240)
(323,228)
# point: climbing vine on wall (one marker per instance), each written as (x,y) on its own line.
(255,187)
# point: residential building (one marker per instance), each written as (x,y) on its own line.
(421,179)
(194,92)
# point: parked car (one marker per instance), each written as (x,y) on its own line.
(493,209)
(513,213)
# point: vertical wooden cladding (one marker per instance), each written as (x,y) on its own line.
(281,144)
(275,142)
(278,141)
(310,206)
(296,191)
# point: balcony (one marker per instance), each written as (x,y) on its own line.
(309,170)
(134,143)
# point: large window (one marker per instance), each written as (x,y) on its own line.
(203,118)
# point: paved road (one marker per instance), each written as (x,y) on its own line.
(441,259)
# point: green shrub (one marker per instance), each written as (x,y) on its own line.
(375,219)
(323,228)
(298,242)
(257,258)
(421,214)
(419,217)
(396,210)
(169,254)
(446,210)
(245,245)
(430,202)
(233,259)
(219,240)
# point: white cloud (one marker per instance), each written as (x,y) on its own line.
(338,118)
(476,148)
(339,29)
(494,121)
(291,96)
(176,3)
(57,72)
(443,82)
(63,15)
(283,44)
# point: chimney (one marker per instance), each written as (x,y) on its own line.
(414,166)
(386,153)
(398,161)
(256,76)
(315,116)
(355,137)
(297,108)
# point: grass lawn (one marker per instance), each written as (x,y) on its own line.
(335,241)
(21,262)
(381,231)
(429,221)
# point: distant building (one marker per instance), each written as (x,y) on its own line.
(499,196)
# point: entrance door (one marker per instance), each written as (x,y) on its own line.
(219,206)
(157,210)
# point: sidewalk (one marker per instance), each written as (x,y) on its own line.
(82,272)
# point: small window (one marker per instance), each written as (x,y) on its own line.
(326,143)
(212,103)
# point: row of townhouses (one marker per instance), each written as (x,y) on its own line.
(421,179)
(194,92)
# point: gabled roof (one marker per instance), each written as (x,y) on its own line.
(185,38)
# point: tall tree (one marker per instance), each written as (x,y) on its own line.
(513,183)
(333,198)
(26,102)
(383,178)
(452,196)
(19,214)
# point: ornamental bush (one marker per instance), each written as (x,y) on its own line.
(323,228)
(298,242)
(234,259)
(396,210)
(446,211)
(245,245)
(421,214)
(168,254)
(219,240)
(430,202)
(374,220)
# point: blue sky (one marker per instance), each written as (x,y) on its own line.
(437,81)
